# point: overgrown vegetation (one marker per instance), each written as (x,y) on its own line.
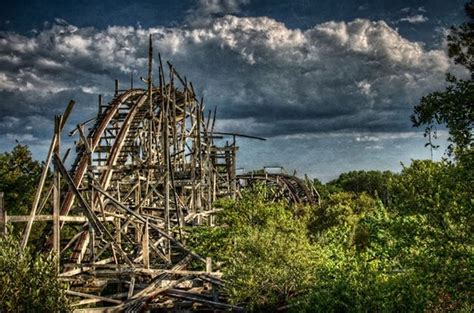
(28,282)
(352,253)
(379,241)
(19,175)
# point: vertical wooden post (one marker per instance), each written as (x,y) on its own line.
(145,246)
(92,243)
(214,186)
(56,209)
(131,287)
(150,100)
(233,170)
(198,148)
(118,226)
(165,109)
(56,194)
(116,86)
(3,215)
(44,173)
(208,270)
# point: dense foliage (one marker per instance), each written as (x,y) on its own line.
(264,247)
(374,183)
(352,253)
(28,283)
(19,175)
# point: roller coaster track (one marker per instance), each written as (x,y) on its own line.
(146,167)
(287,187)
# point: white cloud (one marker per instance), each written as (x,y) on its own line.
(367,138)
(364,87)
(265,77)
(414,19)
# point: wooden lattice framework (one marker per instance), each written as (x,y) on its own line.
(145,169)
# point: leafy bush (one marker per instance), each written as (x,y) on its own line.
(352,253)
(264,247)
(28,283)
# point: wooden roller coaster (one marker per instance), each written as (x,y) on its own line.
(146,167)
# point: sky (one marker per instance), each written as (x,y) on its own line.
(330,84)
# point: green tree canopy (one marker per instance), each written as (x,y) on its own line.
(19,175)
(453,107)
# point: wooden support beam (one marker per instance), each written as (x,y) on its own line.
(93,220)
(131,287)
(48,218)
(44,174)
(3,214)
(86,295)
(57,195)
(92,244)
(175,293)
(145,246)
(158,229)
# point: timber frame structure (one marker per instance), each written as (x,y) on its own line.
(146,168)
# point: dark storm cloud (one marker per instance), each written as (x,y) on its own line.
(265,78)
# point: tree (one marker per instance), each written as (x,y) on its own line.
(461,40)
(19,175)
(374,183)
(413,255)
(432,227)
(266,255)
(453,107)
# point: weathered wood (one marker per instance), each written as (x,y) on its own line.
(86,295)
(146,169)
(139,217)
(56,194)
(3,214)
(131,287)
(39,190)
(62,218)
(200,299)
(146,246)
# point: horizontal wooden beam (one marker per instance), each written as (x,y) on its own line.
(86,295)
(181,294)
(46,218)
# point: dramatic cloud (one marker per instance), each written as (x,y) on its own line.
(265,78)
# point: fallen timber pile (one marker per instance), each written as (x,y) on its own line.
(146,168)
